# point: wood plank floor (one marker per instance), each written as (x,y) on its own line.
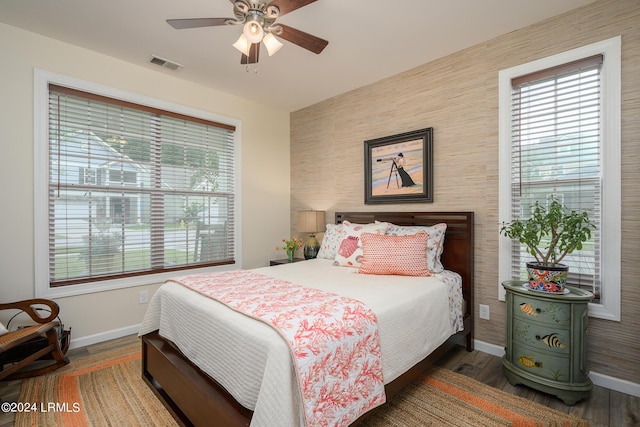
(603,408)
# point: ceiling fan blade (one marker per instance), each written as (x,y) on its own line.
(254,55)
(181,24)
(302,39)
(287,6)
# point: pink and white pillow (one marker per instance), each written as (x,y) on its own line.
(331,241)
(350,249)
(394,255)
(435,243)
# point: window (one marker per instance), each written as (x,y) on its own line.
(560,138)
(154,192)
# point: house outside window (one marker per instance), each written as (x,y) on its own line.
(560,139)
(155,192)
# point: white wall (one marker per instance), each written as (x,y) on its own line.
(264,158)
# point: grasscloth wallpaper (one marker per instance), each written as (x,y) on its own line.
(458,97)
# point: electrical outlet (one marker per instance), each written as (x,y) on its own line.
(144,297)
(484,311)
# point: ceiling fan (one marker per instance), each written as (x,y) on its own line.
(259,25)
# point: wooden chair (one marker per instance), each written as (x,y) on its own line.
(46,327)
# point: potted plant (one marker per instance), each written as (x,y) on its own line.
(550,234)
(290,246)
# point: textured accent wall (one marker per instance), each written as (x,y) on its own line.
(458,97)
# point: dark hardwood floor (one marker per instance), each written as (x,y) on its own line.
(603,408)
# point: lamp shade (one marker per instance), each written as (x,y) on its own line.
(253,31)
(272,43)
(243,45)
(310,221)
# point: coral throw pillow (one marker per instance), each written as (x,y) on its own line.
(394,255)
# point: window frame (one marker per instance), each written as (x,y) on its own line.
(610,253)
(42,79)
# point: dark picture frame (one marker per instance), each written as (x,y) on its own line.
(399,168)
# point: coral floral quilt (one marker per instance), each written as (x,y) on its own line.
(334,340)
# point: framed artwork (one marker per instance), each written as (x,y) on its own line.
(399,168)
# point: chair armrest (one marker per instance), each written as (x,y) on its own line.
(26,306)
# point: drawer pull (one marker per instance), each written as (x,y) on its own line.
(551,340)
(528,310)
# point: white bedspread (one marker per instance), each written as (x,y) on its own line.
(253,362)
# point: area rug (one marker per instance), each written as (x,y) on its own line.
(107,390)
(445,398)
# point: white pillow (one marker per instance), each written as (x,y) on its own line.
(331,241)
(3,330)
(435,243)
(350,250)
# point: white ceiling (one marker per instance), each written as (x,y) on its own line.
(368,39)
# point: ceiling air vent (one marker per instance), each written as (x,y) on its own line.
(165,63)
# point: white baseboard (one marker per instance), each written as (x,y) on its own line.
(612,383)
(103,336)
(617,384)
(486,347)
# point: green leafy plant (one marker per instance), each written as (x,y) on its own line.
(552,233)
(192,211)
(101,244)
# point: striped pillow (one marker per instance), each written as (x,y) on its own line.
(394,255)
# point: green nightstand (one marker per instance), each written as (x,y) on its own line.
(546,341)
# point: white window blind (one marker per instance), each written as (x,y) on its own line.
(555,153)
(135,190)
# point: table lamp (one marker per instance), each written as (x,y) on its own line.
(311,222)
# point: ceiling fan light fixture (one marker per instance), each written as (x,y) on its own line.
(272,12)
(253,31)
(241,6)
(271,43)
(243,45)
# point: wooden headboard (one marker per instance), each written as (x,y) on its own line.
(458,242)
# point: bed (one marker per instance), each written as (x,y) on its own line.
(195,398)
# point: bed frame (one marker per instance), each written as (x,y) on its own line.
(195,399)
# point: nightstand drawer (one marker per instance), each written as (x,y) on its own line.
(540,310)
(555,368)
(541,336)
